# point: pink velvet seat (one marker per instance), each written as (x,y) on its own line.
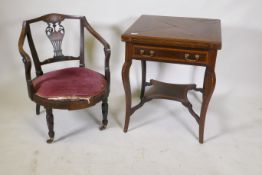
(70,83)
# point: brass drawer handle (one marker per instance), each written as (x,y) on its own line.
(191,58)
(151,53)
(142,52)
(197,57)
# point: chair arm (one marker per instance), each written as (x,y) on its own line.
(107,49)
(95,34)
(26,60)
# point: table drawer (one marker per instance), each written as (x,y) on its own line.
(170,54)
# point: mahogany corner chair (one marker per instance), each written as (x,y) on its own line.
(69,88)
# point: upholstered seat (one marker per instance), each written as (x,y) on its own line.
(70,83)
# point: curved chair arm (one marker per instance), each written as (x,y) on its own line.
(107,49)
(95,34)
(26,59)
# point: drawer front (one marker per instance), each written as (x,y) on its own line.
(170,55)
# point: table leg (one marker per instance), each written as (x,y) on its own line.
(209,86)
(126,83)
(143,84)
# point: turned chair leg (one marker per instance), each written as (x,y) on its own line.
(50,125)
(37,109)
(104,112)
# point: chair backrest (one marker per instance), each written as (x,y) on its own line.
(55,31)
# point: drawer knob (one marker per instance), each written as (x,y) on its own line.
(197,56)
(151,52)
(187,56)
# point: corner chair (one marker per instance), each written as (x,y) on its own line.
(70,88)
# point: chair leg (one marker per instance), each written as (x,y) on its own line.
(104,112)
(37,109)
(50,125)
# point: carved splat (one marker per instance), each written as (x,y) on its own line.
(55,32)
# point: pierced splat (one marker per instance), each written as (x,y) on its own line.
(55,32)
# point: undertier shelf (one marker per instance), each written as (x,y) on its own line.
(160,90)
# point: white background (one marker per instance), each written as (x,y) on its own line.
(233,132)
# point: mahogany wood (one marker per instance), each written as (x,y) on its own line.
(179,40)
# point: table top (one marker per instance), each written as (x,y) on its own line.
(175,31)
